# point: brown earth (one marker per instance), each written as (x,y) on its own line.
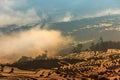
(103,66)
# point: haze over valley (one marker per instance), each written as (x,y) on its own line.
(59,40)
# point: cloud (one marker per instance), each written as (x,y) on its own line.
(19,18)
(10,15)
(5,4)
(103,13)
(66,18)
(31,43)
(109,12)
(86,41)
(113,29)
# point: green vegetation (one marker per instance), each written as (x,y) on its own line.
(77,48)
(104,45)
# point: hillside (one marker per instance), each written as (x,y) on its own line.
(90,28)
(88,66)
(84,29)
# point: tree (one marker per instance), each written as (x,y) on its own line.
(25,59)
(92,47)
(101,44)
(104,45)
(77,48)
(101,40)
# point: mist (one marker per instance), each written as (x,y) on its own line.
(31,43)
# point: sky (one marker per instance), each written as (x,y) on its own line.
(28,11)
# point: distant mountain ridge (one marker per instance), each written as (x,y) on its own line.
(83,29)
